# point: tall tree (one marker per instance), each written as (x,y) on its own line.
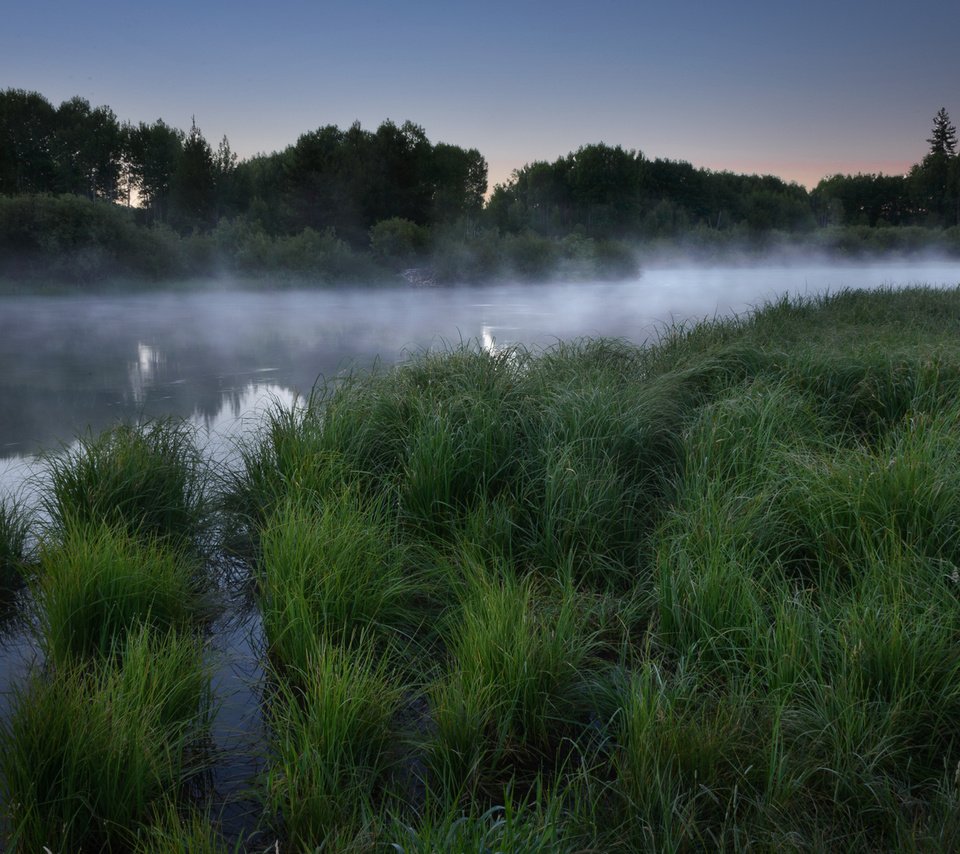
(225,179)
(459,181)
(944,135)
(153,152)
(88,150)
(27,122)
(193,184)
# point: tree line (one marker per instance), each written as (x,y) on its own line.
(608,190)
(330,178)
(87,195)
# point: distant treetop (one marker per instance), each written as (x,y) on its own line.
(944,135)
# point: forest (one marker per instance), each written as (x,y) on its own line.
(85,196)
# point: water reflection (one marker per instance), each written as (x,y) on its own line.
(143,371)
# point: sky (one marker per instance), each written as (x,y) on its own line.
(796,89)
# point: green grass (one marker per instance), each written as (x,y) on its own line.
(331,738)
(514,685)
(88,752)
(710,585)
(174,828)
(147,478)
(14,534)
(336,570)
(97,583)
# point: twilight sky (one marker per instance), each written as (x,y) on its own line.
(797,89)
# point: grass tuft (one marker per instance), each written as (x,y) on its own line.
(88,752)
(146,478)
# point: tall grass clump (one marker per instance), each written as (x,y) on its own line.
(515,683)
(462,451)
(96,584)
(331,738)
(873,729)
(687,762)
(88,752)
(527,825)
(336,570)
(440,430)
(286,456)
(725,540)
(147,478)
(601,450)
(14,533)
(176,827)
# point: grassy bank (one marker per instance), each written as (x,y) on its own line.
(699,595)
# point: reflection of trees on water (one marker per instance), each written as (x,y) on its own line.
(64,372)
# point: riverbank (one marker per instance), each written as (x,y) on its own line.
(699,594)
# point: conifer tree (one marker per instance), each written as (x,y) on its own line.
(944,138)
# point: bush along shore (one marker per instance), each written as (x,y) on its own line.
(66,244)
(699,595)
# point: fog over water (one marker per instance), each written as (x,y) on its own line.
(217,356)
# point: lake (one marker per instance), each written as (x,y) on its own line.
(214,355)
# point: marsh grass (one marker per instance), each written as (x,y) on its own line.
(89,751)
(15,524)
(148,478)
(336,570)
(687,760)
(331,736)
(177,827)
(514,686)
(529,825)
(96,584)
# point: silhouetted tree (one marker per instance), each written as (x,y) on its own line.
(27,123)
(88,149)
(458,178)
(193,184)
(153,152)
(943,139)
(227,186)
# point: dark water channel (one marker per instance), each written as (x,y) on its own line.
(217,357)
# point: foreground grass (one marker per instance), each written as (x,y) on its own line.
(701,595)
(89,752)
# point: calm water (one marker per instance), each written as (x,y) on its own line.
(71,364)
(68,364)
